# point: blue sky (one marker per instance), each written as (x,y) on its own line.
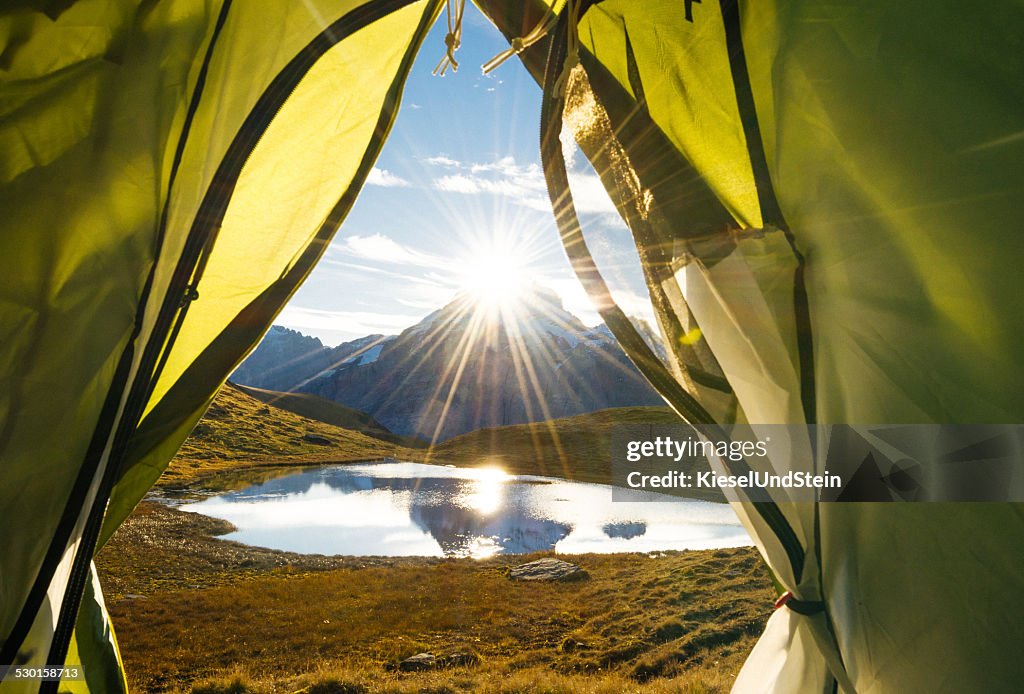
(458,180)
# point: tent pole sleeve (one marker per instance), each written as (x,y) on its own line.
(771,211)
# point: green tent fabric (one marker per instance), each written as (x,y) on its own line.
(860,280)
(827,192)
(169,178)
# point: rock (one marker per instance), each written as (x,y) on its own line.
(572,646)
(547,570)
(317,440)
(418,662)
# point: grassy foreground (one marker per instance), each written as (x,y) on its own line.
(195,613)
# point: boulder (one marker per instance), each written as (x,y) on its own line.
(429,661)
(548,569)
(418,662)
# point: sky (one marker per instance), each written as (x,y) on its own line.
(458,195)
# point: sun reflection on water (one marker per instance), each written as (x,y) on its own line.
(485,493)
(483,548)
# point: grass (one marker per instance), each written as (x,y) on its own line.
(331,678)
(196,613)
(239,432)
(329,412)
(658,620)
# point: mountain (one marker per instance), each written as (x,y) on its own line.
(286,358)
(534,363)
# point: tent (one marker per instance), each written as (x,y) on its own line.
(828,192)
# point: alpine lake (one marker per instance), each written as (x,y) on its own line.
(395,508)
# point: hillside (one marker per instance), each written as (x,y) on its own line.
(329,412)
(240,431)
(581,453)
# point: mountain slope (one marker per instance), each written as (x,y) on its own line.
(329,412)
(239,430)
(285,359)
(576,448)
(462,369)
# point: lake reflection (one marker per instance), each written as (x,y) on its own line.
(411,509)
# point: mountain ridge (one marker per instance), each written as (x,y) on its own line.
(463,367)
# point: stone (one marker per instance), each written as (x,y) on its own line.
(418,662)
(317,440)
(548,569)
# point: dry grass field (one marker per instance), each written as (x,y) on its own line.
(196,613)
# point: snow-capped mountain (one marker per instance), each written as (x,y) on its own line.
(286,359)
(461,369)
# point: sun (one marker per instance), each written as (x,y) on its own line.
(494,276)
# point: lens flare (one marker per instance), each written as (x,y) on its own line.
(495,275)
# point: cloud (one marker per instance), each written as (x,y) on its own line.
(428,304)
(521,184)
(384,249)
(590,196)
(577,302)
(344,322)
(441,160)
(504,177)
(383,177)
(458,184)
(349,270)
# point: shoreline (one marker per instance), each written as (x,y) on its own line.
(195,612)
(216,479)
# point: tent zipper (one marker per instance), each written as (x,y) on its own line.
(108,415)
(768,202)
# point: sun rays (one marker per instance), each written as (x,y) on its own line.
(497,353)
(494,275)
